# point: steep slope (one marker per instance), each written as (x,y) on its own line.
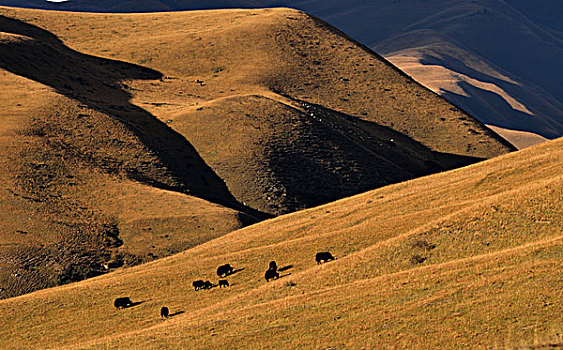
(493,61)
(273,112)
(82,188)
(545,12)
(510,80)
(465,258)
(250,57)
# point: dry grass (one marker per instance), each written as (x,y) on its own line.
(168,130)
(492,274)
(465,258)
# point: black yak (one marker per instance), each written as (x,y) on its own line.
(224,270)
(273,265)
(271,275)
(223,283)
(121,303)
(199,284)
(164,312)
(324,256)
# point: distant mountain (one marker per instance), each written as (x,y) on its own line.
(485,56)
(498,60)
(545,12)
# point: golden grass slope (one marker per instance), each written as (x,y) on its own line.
(61,217)
(76,182)
(226,71)
(469,258)
(129,137)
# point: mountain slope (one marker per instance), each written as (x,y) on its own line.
(474,252)
(510,80)
(122,118)
(81,190)
(507,80)
(544,12)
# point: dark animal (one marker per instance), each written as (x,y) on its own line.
(121,303)
(324,256)
(224,270)
(164,312)
(199,284)
(223,283)
(273,266)
(271,275)
(207,285)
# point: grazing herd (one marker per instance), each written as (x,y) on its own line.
(224,271)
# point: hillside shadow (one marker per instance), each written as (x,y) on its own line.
(39,55)
(346,155)
(494,109)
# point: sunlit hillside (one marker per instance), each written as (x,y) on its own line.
(132,137)
(469,258)
(499,60)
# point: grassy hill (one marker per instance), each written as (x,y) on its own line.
(509,81)
(466,258)
(130,137)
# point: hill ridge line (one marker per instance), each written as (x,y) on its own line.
(508,251)
(480,203)
(268,94)
(154,264)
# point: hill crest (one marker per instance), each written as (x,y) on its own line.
(257,112)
